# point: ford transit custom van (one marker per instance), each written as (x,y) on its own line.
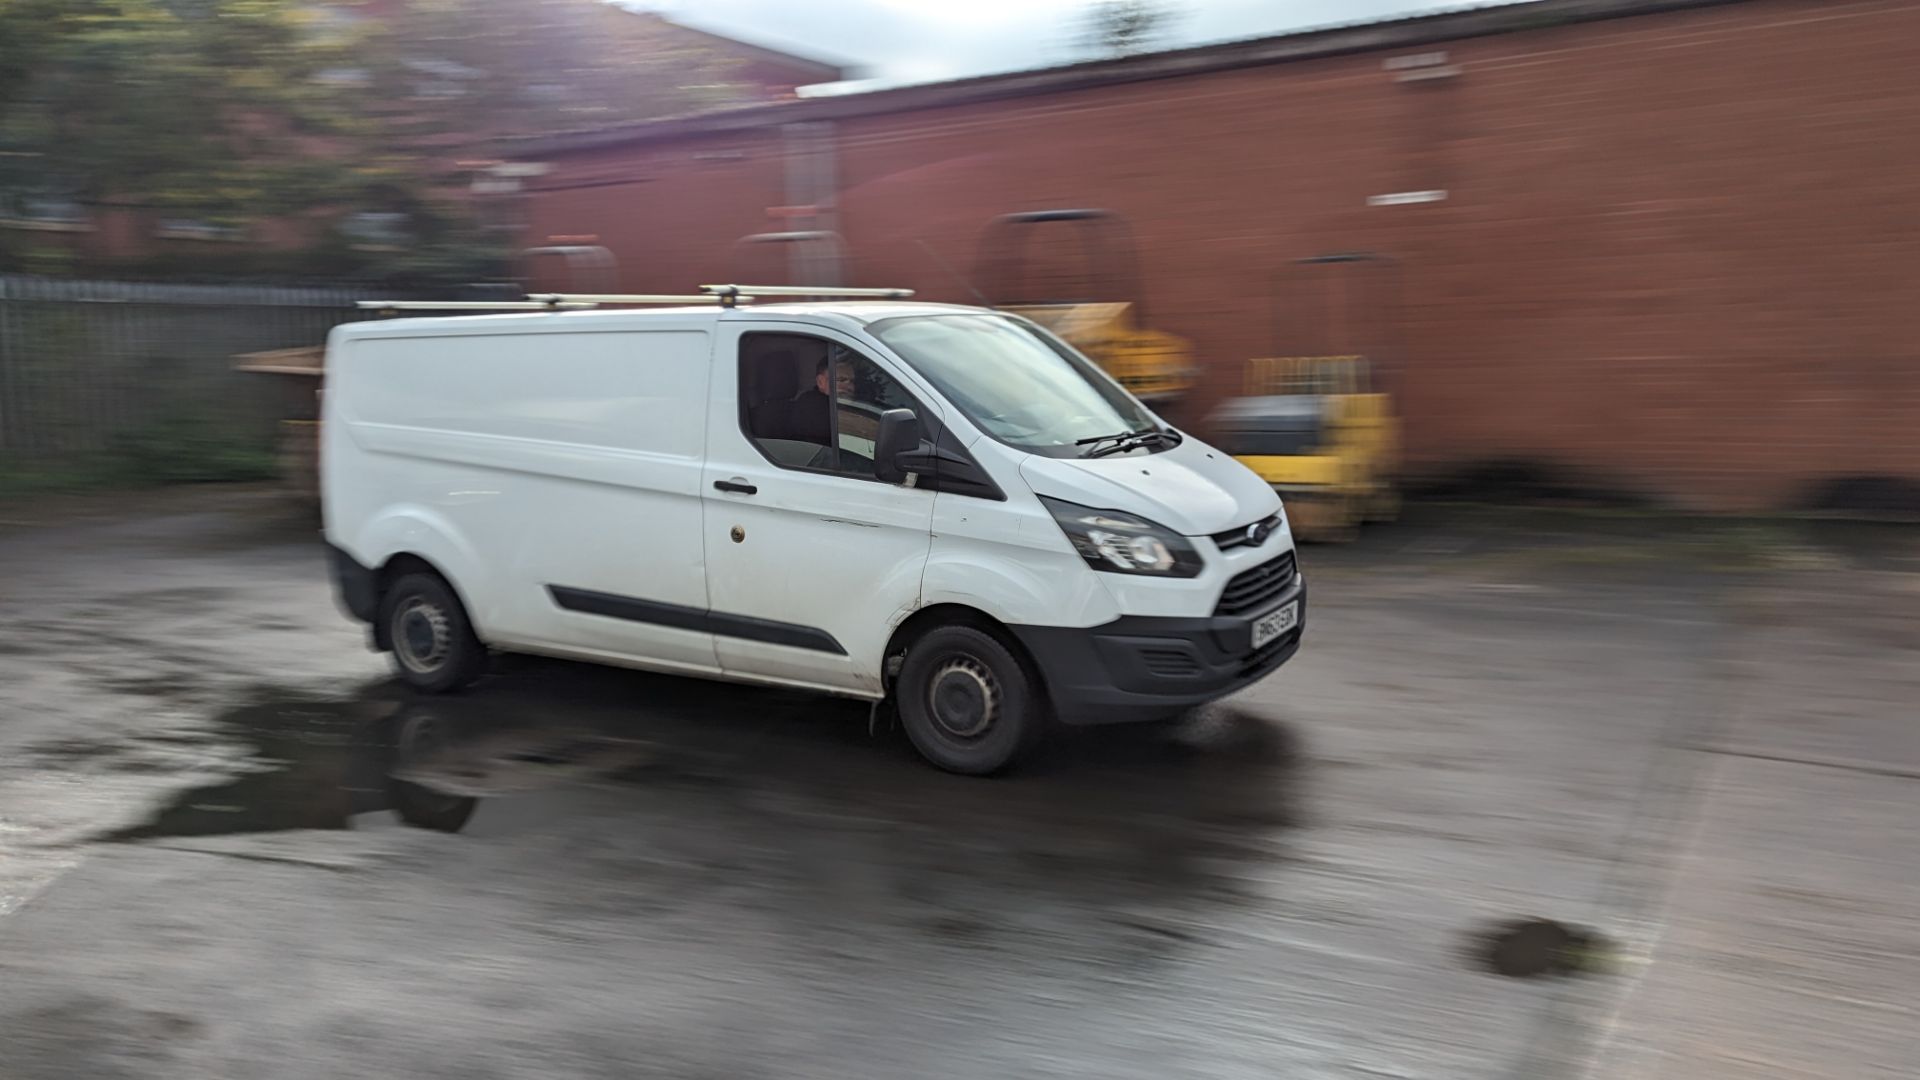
(943,506)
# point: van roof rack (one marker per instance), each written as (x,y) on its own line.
(391,306)
(621,298)
(730,295)
(727,296)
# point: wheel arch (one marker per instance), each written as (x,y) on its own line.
(399,566)
(916,625)
(414,536)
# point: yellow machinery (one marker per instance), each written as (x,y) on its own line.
(1320,426)
(1104,320)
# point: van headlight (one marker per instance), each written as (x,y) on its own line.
(1122,543)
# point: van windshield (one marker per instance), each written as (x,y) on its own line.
(1020,384)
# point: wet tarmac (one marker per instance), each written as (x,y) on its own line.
(1167,797)
(240,850)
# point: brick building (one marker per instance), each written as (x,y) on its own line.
(1665,245)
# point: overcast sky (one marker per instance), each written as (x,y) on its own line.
(899,41)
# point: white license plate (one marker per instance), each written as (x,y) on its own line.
(1270,626)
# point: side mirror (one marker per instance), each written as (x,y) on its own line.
(899,434)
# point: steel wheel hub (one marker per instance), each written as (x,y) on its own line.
(964,698)
(422,637)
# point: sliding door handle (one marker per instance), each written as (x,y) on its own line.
(737,486)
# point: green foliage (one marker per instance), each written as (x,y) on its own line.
(183,449)
(232,113)
(30,31)
(188,449)
(190,108)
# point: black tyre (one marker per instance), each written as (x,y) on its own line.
(434,647)
(967,702)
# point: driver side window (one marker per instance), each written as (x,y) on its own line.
(814,404)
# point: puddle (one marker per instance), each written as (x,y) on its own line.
(756,788)
(309,765)
(317,764)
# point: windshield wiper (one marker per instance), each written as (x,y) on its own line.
(1124,441)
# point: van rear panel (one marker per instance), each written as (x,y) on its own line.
(521,461)
(615,390)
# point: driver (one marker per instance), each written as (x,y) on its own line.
(812,417)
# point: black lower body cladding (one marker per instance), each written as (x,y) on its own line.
(356,586)
(1139,668)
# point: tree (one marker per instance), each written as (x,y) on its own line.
(29,30)
(438,84)
(193,107)
(519,67)
(1114,28)
(233,113)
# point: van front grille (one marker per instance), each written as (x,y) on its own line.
(1233,538)
(1251,590)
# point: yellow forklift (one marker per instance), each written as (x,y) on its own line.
(1102,315)
(1317,421)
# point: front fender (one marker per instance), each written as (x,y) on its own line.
(1016,585)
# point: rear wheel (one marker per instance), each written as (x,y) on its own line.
(966,701)
(434,647)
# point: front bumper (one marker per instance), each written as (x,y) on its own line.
(1147,667)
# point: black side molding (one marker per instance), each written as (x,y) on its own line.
(681,617)
(613,606)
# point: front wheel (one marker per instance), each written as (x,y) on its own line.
(966,701)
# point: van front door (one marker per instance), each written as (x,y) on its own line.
(811,559)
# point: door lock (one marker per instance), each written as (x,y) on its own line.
(738,534)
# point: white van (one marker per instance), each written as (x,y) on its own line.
(983,526)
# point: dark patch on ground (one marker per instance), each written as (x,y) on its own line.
(172,601)
(1525,948)
(174,685)
(179,738)
(70,752)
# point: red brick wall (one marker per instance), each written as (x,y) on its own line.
(1680,253)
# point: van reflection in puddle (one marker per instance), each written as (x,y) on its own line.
(419,740)
(315,765)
